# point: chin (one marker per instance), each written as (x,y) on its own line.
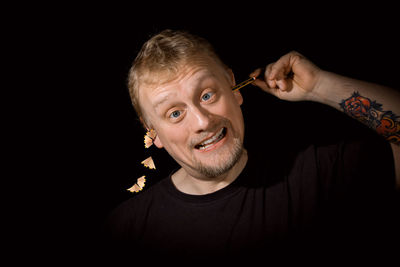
(221,162)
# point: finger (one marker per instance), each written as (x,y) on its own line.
(271,82)
(260,83)
(280,69)
(282,85)
(264,86)
(256,73)
(259,74)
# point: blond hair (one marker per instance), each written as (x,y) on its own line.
(160,58)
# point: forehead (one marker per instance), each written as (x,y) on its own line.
(189,76)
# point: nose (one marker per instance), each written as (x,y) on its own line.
(201,119)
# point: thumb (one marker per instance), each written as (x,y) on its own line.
(261,83)
(256,73)
(264,86)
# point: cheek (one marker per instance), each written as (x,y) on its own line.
(233,112)
(232,106)
(174,138)
(227,105)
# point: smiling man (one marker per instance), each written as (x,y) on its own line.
(220,203)
(199,122)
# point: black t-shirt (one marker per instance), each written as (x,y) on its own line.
(330,199)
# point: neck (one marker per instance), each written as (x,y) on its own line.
(192,185)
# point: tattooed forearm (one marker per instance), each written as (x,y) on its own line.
(371,113)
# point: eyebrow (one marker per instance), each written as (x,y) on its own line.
(161,101)
(199,81)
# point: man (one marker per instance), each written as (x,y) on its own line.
(220,202)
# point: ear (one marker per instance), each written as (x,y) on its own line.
(157,142)
(231,77)
(237,94)
(238,97)
(143,122)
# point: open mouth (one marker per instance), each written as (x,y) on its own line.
(212,140)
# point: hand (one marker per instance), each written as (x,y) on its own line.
(292,77)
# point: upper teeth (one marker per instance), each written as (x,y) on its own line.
(212,139)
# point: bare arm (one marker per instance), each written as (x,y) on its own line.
(374,105)
(295,78)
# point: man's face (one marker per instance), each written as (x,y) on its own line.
(197,118)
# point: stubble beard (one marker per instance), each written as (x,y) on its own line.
(213,171)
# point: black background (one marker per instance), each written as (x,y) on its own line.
(83,140)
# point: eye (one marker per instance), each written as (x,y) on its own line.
(175,114)
(207,96)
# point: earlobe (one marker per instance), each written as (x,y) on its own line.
(157,142)
(238,97)
(152,134)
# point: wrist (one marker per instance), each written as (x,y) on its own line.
(323,88)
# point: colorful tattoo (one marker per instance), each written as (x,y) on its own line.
(371,114)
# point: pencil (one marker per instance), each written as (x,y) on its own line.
(243,84)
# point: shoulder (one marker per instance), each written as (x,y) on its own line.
(366,159)
(352,150)
(141,200)
(129,212)
(365,163)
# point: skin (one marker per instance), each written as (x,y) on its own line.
(191,108)
(294,78)
(201,98)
